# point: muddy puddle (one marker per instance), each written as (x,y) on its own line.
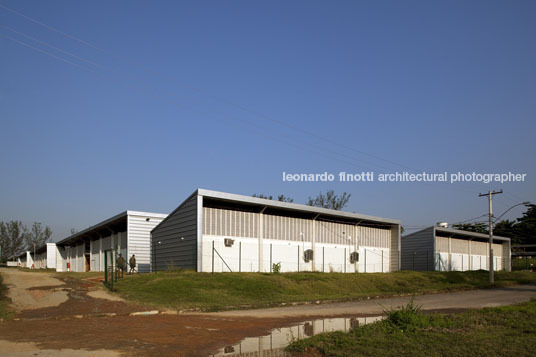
(274,343)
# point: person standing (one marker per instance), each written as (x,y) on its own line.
(132,263)
(120,264)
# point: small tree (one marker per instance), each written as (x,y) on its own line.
(38,236)
(330,200)
(12,237)
(478,227)
(281,198)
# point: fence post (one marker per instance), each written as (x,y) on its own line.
(345,260)
(298,258)
(240,257)
(212,257)
(270,257)
(323,255)
(382,260)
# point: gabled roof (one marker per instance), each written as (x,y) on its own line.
(285,206)
(110,225)
(459,232)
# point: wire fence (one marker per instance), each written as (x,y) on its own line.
(249,257)
(438,261)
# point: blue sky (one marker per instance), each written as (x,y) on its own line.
(165,97)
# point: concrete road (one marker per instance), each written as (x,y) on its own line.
(444,301)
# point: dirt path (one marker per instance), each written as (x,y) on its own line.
(33,290)
(434,302)
(83,322)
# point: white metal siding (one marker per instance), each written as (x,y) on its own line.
(139,239)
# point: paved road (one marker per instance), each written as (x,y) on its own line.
(443,301)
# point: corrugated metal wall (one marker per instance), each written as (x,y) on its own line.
(461,246)
(172,251)
(139,239)
(417,250)
(223,222)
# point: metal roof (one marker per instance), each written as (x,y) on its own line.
(461,233)
(107,224)
(262,202)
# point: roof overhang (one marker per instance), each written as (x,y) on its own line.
(115,224)
(318,212)
(469,235)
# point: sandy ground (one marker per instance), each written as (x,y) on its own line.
(83,322)
(14,349)
(25,293)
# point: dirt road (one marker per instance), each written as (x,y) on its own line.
(84,322)
(433,302)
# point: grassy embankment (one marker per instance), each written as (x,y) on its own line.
(5,311)
(503,331)
(210,292)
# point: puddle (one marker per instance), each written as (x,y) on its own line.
(274,343)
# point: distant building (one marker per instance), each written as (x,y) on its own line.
(222,232)
(445,249)
(126,233)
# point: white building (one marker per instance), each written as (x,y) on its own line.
(446,249)
(128,233)
(222,232)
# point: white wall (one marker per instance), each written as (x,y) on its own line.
(244,256)
(139,238)
(465,262)
(51,256)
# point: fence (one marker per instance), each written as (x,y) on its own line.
(524,263)
(429,261)
(244,256)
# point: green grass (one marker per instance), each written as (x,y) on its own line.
(210,292)
(503,331)
(523,263)
(5,311)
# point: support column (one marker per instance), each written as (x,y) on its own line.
(101,255)
(261,233)
(470,257)
(450,257)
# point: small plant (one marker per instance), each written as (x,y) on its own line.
(276,268)
(407,318)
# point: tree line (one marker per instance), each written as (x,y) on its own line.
(16,238)
(329,199)
(521,230)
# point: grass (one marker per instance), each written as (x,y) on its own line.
(5,311)
(502,331)
(212,292)
(523,263)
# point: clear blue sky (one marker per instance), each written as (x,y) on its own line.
(165,97)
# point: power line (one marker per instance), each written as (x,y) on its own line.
(51,46)
(47,53)
(237,105)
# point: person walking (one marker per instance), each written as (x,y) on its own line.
(132,263)
(120,264)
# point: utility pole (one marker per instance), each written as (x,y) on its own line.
(490,265)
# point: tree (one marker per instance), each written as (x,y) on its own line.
(281,198)
(472,227)
(521,231)
(525,228)
(38,236)
(330,200)
(12,237)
